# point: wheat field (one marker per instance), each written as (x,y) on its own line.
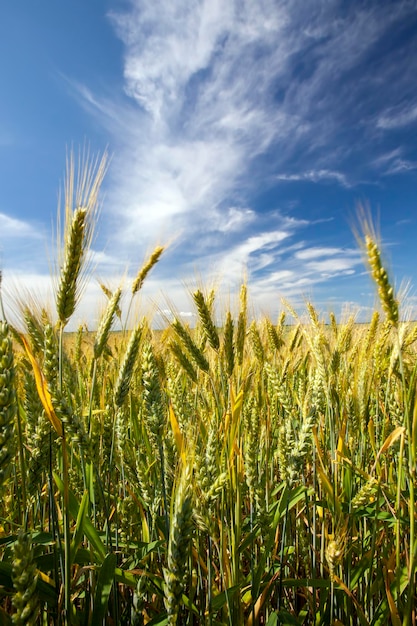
(240,472)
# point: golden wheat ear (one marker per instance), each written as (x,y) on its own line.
(380,275)
(368,239)
(146,268)
(74,243)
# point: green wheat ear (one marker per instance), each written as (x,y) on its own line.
(81,192)
(106,322)
(181,528)
(126,369)
(8,405)
(74,247)
(25,599)
(206,319)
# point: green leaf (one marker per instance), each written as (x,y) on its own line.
(104,585)
(126,578)
(220,600)
(272,620)
(318,583)
(286,619)
(79,528)
(89,530)
(190,605)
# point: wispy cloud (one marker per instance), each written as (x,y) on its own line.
(318,253)
(221,95)
(252,255)
(401,166)
(398,117)
(394,162)
(316,176)
(310,273)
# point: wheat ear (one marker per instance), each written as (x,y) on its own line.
(8,403)
(380,276)
(25,599)
(106,322)
(146,268)
(74,248)
(81,191)
(126,369)
(178,546)
(205,316)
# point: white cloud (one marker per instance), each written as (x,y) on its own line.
(316,176)
(281,277)
(167,44)
(386,157)
(204,75)
(332,266)
(401,166)
(235,219)
(329,262)
(12,228)
(305,274)
(398,117)
(22,246)
(219,96)
(252,255)
(393,162)
(202,72)
(316,253)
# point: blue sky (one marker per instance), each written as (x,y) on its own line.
(242,133)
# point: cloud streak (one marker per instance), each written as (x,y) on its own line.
(315,176)
(397,118)
(224,96)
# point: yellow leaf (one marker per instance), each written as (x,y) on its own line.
(371,432)
(397,432)
(332,498)
(395,618)
(392,437)
(179,439)
(236,404)
(43,392)
(45,578)
(341,441)
(326,484)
